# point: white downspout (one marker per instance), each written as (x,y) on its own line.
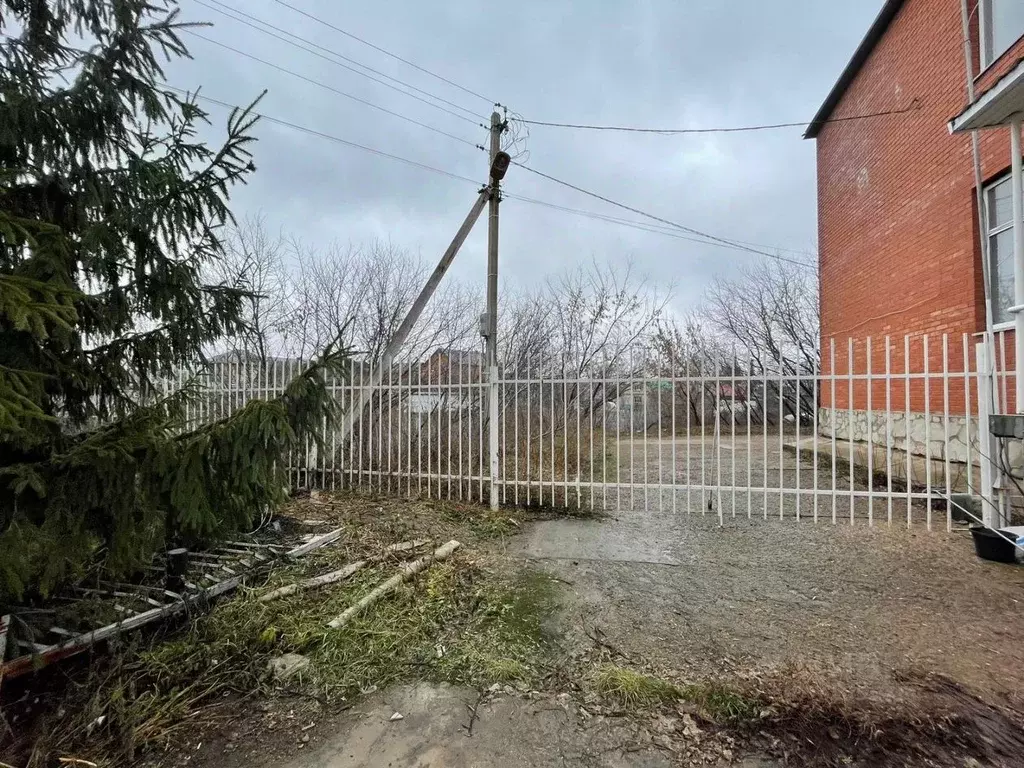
(987,361)
(1017,178)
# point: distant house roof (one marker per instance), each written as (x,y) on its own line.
(460,356)
(867,45)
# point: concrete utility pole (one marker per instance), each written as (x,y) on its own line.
(491,324)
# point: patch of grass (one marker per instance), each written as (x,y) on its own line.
(630,688)
(608,466)
(481,521)
(460,621)
(720,703)
(715,701)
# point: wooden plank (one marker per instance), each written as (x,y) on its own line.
(5,624)
(30,646)
(272,548)
(245,552)
(78,643)
(200,556)
(118,593)
(143,589)
(317,543)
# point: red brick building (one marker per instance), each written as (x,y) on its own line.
(898,227)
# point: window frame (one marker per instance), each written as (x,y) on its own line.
(990,233)
(985,58)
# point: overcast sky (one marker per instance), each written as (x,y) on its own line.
(652,63)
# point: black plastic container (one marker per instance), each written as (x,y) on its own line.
(990,545)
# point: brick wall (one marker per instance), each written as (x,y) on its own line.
(897,225)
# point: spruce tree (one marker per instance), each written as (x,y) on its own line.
(110,212)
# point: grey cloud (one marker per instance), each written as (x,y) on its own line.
(653,62)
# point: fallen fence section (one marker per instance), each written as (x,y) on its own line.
(235,561)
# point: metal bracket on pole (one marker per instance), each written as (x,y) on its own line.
(355,412)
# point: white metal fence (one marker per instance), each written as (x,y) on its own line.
(878,430)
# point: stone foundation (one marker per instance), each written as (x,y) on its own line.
(921,435)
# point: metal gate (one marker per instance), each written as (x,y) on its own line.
(873,430)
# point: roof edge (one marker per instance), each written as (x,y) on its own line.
(860,56)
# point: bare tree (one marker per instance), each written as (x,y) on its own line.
(603,315)
(326,287)
(768,317)
(391,280)
(361,294)
(584,326)
(688,349)
(254,260)
(526,330)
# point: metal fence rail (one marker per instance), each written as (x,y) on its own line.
(873,430)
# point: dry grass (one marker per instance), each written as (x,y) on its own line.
(629,688)
(467,620)
(808,719)
(715,701)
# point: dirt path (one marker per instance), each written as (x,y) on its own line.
(669,588)
(665,581)
(508,731)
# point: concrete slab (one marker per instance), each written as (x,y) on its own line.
(610,540)
(508,732)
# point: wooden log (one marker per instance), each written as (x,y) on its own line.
(317,581)
(407,572)
(342,573)
(403,546)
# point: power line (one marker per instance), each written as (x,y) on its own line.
(657,229)
(337,55)
(332,89)
(328,136)
(416,164)
(915,104)
(645,214)
(645,227)
(384,51)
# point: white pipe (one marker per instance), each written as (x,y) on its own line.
(1017,178)
(976,162)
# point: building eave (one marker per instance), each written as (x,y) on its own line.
(849,73)
(996,106)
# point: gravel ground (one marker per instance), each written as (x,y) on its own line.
(666,582)
(659,583)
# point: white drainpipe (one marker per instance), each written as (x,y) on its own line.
(1018,260)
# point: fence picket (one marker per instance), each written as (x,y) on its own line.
(568,434)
